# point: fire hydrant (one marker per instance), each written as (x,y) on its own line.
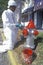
(30,32)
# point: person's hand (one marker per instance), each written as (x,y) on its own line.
(19,25)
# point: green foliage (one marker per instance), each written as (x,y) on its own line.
(40,34)
(3,5)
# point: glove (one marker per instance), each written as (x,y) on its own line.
(19,25)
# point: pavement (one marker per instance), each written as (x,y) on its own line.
(4,59)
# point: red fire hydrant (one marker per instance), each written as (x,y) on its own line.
(30,32)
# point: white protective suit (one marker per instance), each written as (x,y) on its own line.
(9,29)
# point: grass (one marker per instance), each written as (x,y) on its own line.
(39,51)
(40,34)
(1,23)
(0,20)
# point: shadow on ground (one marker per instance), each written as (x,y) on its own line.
(34,56)
(38,40)
(20,42)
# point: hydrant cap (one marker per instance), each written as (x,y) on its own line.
(25,32)
(30,25)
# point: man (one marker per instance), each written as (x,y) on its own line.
(9,26)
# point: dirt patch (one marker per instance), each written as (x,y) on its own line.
(18,49)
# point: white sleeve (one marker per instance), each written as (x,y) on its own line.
(5,20)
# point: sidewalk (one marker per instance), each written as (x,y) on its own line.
(4,59)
